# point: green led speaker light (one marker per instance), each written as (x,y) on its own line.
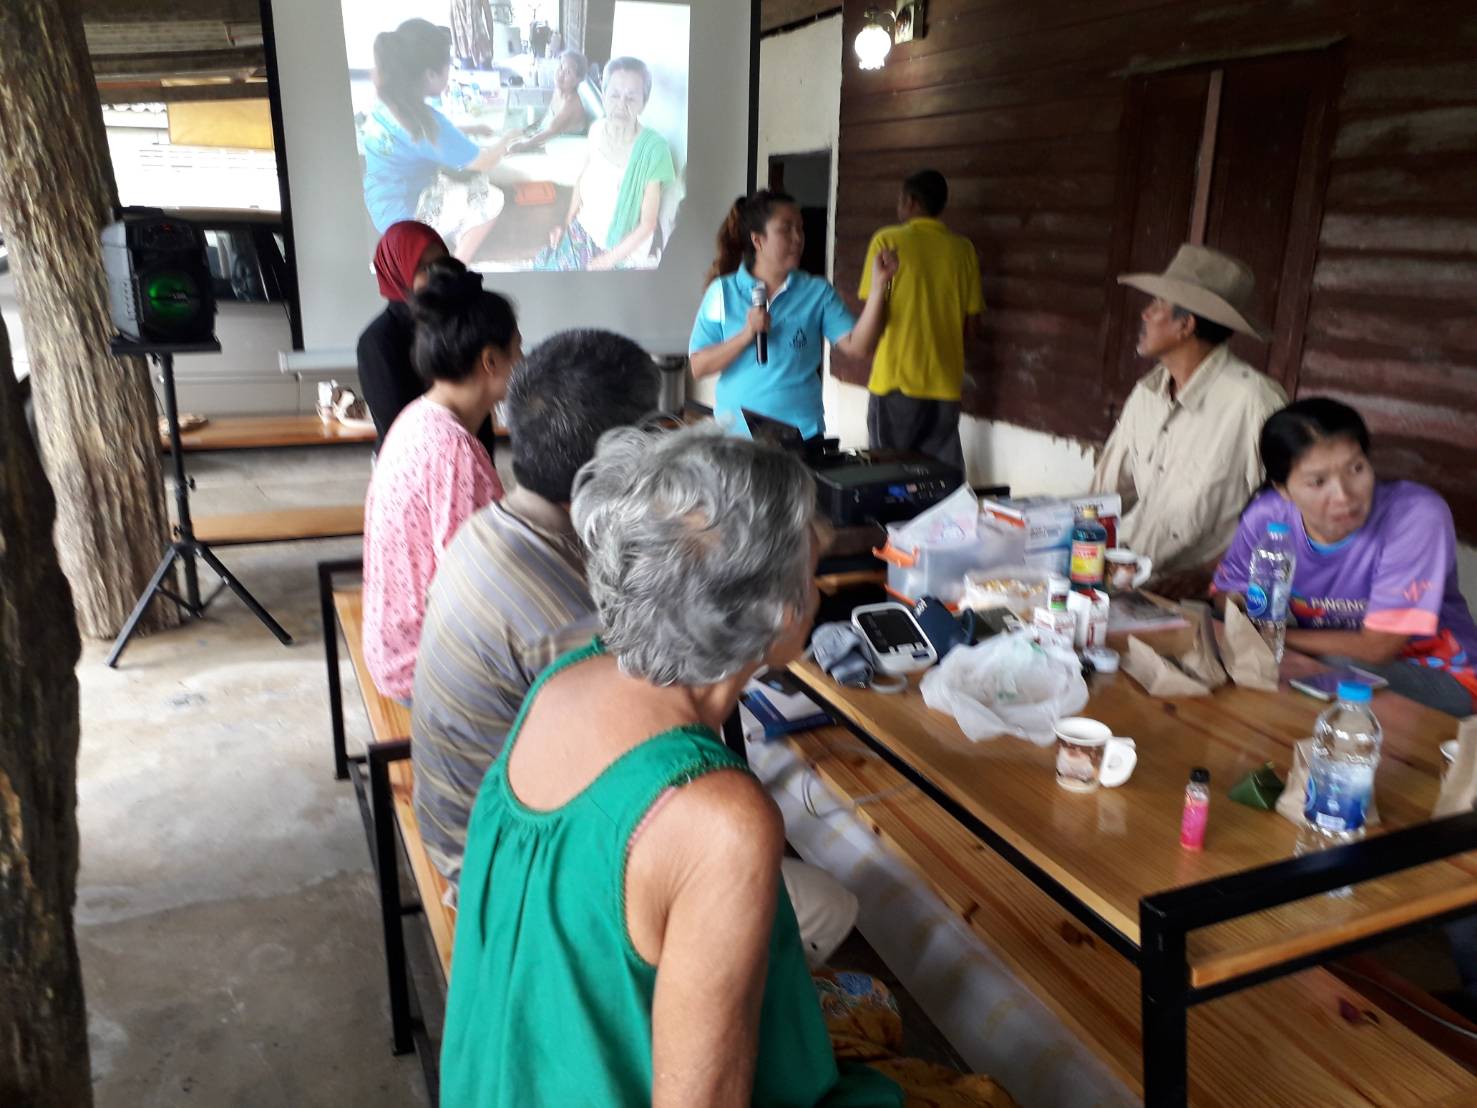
(171,296)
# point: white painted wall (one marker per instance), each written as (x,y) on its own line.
(799,111)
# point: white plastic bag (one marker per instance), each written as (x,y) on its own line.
(1007,685)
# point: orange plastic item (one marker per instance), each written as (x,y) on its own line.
(893,556)
(534,193)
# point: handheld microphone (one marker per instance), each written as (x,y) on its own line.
(759,298)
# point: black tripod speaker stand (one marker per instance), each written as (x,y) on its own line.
(186,547)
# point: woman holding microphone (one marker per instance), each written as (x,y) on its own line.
(762,319)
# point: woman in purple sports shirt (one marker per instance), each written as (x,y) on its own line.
(1375,583)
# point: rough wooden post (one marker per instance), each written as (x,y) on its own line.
(94,412)
(43,1022)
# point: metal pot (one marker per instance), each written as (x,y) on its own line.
(673,395)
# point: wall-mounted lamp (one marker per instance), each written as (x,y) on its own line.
(882,28)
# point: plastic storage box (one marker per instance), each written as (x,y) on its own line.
(939,569)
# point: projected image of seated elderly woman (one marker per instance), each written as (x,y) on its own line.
(614,211)
(566,114)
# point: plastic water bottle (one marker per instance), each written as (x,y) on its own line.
(1269,587)
(1346,751)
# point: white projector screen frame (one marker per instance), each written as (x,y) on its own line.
(323,211)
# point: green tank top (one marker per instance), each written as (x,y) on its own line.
(550,1004)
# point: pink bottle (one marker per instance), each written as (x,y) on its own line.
(1197,810)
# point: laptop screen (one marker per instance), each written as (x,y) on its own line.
(773,432)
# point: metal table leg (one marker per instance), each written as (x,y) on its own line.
(387,872)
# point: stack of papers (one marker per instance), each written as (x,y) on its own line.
(1133,611)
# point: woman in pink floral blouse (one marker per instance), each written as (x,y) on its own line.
(432,473)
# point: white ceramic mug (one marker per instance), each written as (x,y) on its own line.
(1088,754)
(1126,570)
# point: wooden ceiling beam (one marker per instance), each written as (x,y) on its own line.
(781,13)
(152,93)
(243,60)
(167,11)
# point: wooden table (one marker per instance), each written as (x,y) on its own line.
(269,432)
(1197,925)
(262,432)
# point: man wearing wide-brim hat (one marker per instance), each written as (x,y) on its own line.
(1184,453)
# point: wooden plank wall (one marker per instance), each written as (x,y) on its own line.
(1022,105)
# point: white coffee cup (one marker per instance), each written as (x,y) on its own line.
(1126,570)
(1088,754)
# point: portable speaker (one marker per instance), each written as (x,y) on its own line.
(159,286)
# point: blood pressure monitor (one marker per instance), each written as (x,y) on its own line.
(895,637)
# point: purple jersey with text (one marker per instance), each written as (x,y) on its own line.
(1397,573)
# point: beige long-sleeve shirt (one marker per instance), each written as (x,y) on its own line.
(1186,466)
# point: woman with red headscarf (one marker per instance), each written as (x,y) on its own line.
(402,264)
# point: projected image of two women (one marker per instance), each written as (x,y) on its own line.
(526,144)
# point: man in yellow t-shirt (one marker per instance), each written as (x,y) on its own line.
(933,303)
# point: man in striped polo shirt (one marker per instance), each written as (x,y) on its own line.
(509,595)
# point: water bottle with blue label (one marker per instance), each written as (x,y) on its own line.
(1269,586)
(1346,753)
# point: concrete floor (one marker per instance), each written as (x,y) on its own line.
(225,912)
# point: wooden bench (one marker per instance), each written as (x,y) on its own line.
(1314,1032)
(388,810)
(280,525)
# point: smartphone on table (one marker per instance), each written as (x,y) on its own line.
(1325,686)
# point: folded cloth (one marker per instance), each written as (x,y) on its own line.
(650,162)
(1249,660)
(1157,674)
(865,1026)
(1459,786)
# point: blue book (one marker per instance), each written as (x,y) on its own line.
(775,704)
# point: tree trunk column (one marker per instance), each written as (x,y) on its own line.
(43,1021)
(95,413)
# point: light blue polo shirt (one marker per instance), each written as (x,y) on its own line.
(805,310)
(397,168)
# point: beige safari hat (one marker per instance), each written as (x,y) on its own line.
(1208,283)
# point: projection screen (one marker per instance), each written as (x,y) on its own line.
(583,158)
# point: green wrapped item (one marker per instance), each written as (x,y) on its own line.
(1258,789)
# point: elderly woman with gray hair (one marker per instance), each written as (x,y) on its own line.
(623,936)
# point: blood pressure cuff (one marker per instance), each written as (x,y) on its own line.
(941,627)
(841,651)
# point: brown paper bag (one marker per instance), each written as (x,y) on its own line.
(1157,674)
(1249,659)
(1295,793)
(1202,661)
(1459,786)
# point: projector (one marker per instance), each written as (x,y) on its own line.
(880,486)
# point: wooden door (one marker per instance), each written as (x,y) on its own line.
(1266,190)
(1232,156)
